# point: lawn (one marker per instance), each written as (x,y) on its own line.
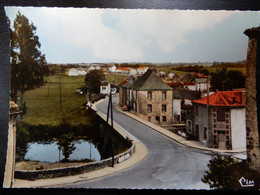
(56,101)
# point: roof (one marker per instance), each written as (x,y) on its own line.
(122,68)
(189,95)
(176,94)
(187,83)
(150,81)
(124,82)
(223,98)
(174,84)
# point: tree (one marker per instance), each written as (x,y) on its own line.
(224,173)
(93,81)
(224,80)
(28,65)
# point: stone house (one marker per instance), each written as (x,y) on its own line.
(218,120)
(148,97)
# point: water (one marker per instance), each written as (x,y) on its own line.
(49,152)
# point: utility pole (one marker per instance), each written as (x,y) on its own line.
(110,109)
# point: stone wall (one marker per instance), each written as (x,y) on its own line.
(156,101)
(68,171)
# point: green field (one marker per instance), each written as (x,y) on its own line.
(56,101)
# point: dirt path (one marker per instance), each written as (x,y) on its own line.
(29,165)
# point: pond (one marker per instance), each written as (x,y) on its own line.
(66,142)
(50,151)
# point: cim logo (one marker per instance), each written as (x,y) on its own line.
(246,182)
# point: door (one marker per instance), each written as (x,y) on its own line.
(221,140)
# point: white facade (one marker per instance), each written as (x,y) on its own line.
(176,107)
(190,87)
(238,128)
(112,69)
(73,72)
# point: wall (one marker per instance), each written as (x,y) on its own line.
(238,128)
(156,102)
(68,171)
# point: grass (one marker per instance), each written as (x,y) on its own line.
(44,105)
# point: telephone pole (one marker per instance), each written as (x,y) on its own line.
(110,109)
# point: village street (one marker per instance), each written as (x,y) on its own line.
(167,165)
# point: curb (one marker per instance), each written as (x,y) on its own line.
(175,137)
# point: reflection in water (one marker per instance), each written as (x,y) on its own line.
(49,152)
(69,142)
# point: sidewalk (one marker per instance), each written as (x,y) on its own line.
(181,140)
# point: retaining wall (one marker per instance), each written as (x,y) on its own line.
(68,171)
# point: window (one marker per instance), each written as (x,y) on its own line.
(149,108)
(149,118)
(164,119)
(164,108)
(189,126)
(164,95)
(135,106)
(149,95)
(205,133)
(221,114)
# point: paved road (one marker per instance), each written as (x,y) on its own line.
(167,165)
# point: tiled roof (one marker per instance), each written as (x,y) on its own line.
(223,98)
(150,81)
(124,82)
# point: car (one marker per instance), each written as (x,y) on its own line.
(125,108)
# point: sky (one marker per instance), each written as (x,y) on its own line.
(88,35)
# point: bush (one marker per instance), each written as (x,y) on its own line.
(224,173)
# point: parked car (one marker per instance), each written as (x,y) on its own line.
(89,104)
(125,108)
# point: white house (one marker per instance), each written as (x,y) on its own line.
(112,68)
(141,70)
(171,75)
(176,104)
(73,72)
(105,88)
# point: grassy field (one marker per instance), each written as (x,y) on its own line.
(44,105)
(211,69)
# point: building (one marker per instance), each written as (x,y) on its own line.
(218,120)
(148,97)
(106,88)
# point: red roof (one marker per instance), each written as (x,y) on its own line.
(198,75)
(223,98)
(187,83)
(173,84)
(124,82)
(122,68)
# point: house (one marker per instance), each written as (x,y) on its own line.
(73,72)
(171,75)
(112,68)
(141,70)
(176,106)
(105,88)
(149,98)
(218,120)
(123,70)
(188,96)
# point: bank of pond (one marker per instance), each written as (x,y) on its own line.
(68,143)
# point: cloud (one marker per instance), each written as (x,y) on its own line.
(121,34)
(129,32)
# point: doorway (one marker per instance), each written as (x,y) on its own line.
(221,140)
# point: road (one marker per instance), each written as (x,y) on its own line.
(168,165)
